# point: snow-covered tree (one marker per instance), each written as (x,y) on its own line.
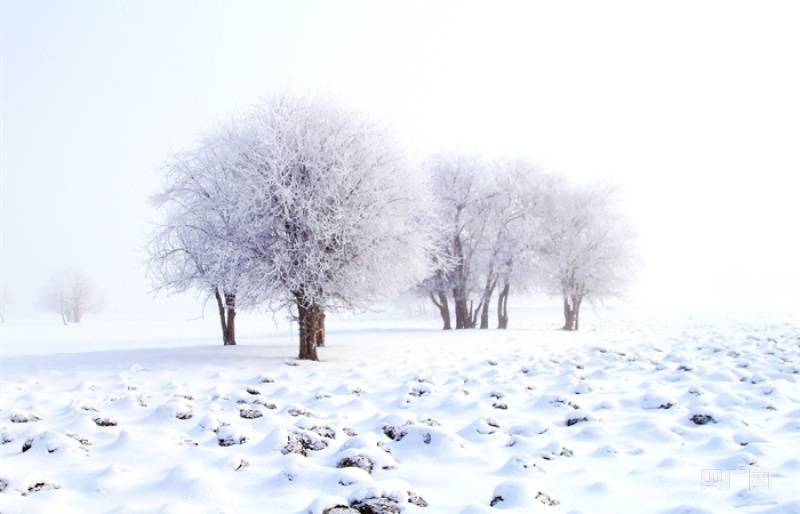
(490,212)
(498,209)
(520,191)
(70,294)
(196,247)
(462,186)
(331,212)
(588,252)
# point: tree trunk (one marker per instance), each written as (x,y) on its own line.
(319,323)
(572,307)
(473,314)
(462,311)
(222,322)
(485,315)
(230,326)
(62,309)
(321,327)
(459,274)
(488,290)
(444,308)
(502,306)
(308,325)
(569,318)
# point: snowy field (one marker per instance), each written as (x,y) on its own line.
(631,415)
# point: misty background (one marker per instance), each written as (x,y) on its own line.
(691,107)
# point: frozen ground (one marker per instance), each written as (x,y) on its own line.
(140,418)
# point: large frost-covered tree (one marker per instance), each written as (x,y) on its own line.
(588,252)
(331,212)
(298,203)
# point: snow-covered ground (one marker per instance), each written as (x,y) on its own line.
(635,414)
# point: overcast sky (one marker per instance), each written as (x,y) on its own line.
(692,107)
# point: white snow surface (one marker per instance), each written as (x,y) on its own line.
(529,419)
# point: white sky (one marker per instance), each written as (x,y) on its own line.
(692,107)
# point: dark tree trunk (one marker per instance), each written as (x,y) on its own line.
(319,323)
(230,325)
(569,315)
(502,306)
(444,308)
(321,328)
(572,307)
(459,274)
(488,291)
(462,311)
(222,321)
(485,315)
(308,324)
(471,314)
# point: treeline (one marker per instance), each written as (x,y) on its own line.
(505,222)
(303,204)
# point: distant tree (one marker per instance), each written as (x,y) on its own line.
(70,294)
(514,219)
(197,246)
(587,253)
(463,194)
(489,217)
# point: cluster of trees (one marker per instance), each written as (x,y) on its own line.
(304,205)
(505,222)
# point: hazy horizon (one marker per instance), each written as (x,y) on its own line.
(691,108)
